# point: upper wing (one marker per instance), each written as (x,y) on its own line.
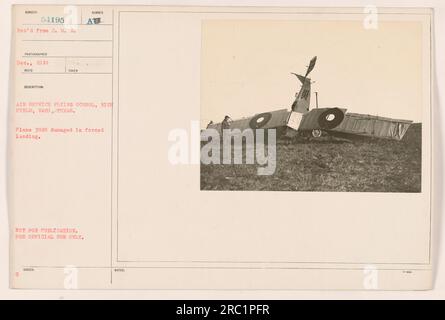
(373,126)
(265,120)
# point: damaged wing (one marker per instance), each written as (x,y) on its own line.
(373,126)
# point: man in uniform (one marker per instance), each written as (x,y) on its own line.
(225,124)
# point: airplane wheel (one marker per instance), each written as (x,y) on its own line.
(316,133)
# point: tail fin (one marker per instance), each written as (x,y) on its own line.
(302,100)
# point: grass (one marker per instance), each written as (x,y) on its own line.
(360,165)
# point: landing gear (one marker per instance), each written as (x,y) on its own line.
(316,133)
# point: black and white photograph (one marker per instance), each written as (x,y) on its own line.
(222,151)
(341,103)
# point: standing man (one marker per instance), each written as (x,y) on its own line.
(225,124)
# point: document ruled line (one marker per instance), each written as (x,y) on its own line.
(66,40)
(67,25)
(74,57)
(66,72)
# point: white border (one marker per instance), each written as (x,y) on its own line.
(439,122)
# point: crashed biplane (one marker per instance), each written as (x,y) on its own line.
(300,120)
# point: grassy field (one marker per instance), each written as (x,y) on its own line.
(363,165)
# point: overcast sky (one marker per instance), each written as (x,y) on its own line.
(246,66)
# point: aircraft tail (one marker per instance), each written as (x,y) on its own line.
(303,98)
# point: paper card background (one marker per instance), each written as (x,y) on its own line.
(440,279)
